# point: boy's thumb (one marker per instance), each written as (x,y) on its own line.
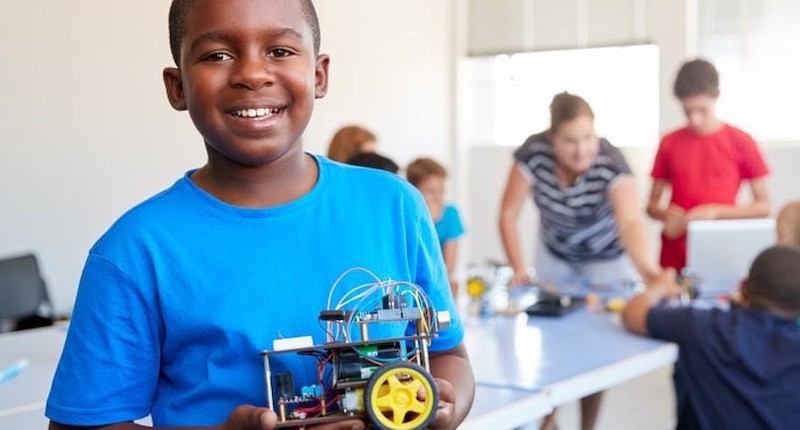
(248,417)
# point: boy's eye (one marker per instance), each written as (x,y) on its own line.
(280,53)
(217,56)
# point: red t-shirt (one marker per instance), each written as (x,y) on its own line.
(704,169)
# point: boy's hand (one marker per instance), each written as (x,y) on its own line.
(248,417)
(674,222)
(446,408)
(708,211)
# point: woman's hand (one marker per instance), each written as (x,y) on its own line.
(520,277)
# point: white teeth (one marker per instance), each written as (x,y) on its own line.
(256,112)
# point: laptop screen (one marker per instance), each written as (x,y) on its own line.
(719,252)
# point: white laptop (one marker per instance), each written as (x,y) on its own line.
(720,252)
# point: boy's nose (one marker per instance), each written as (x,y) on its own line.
(252,73)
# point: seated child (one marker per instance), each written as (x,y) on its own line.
(738,368)
(179,297)
(788,224)
(429,177)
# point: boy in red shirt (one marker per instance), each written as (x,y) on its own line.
(698,168)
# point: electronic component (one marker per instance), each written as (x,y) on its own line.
(284,385)
(385,381)
(287,343)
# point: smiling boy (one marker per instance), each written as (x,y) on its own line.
(181,293)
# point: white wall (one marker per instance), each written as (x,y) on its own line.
(86,131)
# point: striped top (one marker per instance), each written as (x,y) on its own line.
(577,220)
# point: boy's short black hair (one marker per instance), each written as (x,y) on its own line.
(774,279)
(177,25)
(696,77)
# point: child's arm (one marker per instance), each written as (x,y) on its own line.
(450,255)
(244,417)
(758,207)
(658,208)
(456,387)
(634,316)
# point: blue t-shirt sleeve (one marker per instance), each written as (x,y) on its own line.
(450,226)
(108,370)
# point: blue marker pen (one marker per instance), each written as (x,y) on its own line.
(13,370)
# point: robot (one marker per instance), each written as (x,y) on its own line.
(386,381)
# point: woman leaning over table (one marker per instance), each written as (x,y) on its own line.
(592,230)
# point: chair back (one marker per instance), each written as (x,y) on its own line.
(22,288)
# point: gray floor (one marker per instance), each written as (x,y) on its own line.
(647,402)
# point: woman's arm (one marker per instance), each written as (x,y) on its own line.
(516,191)
(631,228)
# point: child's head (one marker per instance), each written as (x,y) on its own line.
(788,224)
(773,283)
(575,143)
(697,88)
(177,25)
(429,177)
(349,141)
(375,161)
(248,73)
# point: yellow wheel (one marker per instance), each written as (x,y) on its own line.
(401,396)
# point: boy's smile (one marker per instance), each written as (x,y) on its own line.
(249,75)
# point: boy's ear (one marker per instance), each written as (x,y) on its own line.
(744,292)
(321,76)
(174,87)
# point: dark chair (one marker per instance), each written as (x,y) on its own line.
(23,293)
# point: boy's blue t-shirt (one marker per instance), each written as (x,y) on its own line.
(737,369)
(180,296)
(449,226)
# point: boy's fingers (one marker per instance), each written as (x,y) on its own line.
(248,417)
(445,409)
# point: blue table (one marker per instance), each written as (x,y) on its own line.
(564,358)
(22,399)
(505,408)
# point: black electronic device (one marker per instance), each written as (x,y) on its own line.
(552,305)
